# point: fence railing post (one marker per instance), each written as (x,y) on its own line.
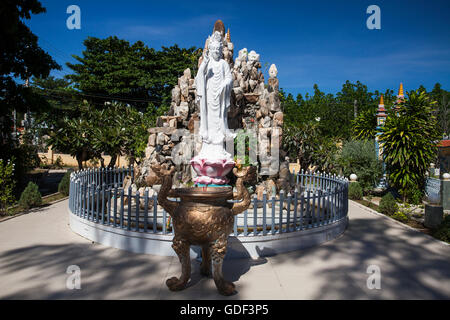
(85,199)
(295,208)
(155,210)
(138,205)
(308,208)
(288,218)
(255,215)
(245,223)
(130,199)
(314,211)
(70,194)
(108,216)
(280,226)
(122,205)
(264,212)
(93,201)
(116,195)
(302,203)
(145,209)
(97,206)
(273,213)
(103,203)
(301,180)
(164,226)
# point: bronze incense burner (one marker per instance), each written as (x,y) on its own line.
(203,217)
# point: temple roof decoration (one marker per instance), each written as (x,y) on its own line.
(400,91)
(381,109)
(228,38)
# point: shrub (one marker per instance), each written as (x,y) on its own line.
(25,158)
(400,216)
(30,197)
(94,162)
(359,157)
(6,185)
(64,184)
(443,231)
(388,205)
(355,192)
(414,195)
(408,142)
(59,162)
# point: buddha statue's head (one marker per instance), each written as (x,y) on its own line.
(215,45)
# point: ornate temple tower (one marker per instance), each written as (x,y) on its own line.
(381,119)
(400,99)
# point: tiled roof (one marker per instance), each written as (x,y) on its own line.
(444,143)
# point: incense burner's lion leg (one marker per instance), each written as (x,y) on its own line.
(182,249)
(205,267)
(218,251)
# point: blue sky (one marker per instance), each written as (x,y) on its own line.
(323,42)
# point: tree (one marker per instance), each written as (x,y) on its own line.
(136,134)
(171,62)
(359,157)
(112,69)
(364,126)
(73,136)
(107,128)
(352,99)
(61,102)
(21,58)
(409,142)
(443,110)
(306,143)
(116,130)
(119,130)
(291,108)
(444,114)
(7,184)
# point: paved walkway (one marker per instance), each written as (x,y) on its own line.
(37,248)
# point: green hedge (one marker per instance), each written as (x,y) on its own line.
(388,205)
(443,231)
(64,184)
(355,192)
(30,197)
(359,157)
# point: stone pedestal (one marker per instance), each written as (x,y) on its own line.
(433,215)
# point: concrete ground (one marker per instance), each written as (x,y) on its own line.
(37,248)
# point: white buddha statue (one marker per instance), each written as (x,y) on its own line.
(214,83)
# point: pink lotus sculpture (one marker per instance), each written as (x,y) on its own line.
(211,171)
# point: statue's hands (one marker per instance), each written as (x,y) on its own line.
(223,85)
